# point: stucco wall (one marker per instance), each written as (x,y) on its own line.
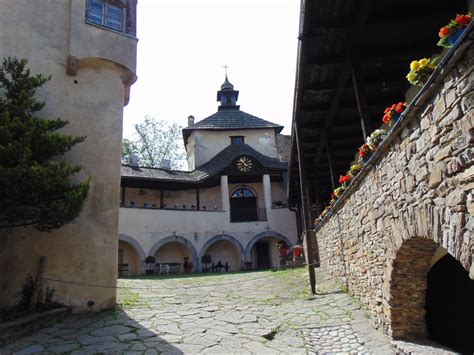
(208,197)
(172,253)
(382,235)
(150,226)
(84,251)
(207,144)
(130,257)
(225,251)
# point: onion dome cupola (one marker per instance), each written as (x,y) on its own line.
(227,96)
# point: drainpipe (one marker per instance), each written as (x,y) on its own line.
(298,222)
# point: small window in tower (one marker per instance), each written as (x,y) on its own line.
(237,140)
(109,13)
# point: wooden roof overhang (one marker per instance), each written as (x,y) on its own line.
(353,57)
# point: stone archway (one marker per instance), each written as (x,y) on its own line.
(227,238)
(140,263)
(269,235)
(180,240)
(259,236)
(425,280)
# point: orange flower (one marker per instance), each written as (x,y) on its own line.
(463,20)
(443,32)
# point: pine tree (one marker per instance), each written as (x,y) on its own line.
(35,183)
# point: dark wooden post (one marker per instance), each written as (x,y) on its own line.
(38,283)
(123,196)
(305,209)
(162,196)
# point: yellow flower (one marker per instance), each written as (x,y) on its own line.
(411,77)
(415,65)
(424,62)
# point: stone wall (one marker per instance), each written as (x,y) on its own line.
(413,197)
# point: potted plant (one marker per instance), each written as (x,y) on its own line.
(297,251)
(420,71)
(376,138)
(282,247)
(392,113)
(338,192)
(354,170)
(248,265)
(365,153)
(150,260)
(345,180)
(450,33)
(206,259)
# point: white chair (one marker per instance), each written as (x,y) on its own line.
(164,268)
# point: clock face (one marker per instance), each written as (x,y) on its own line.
(244,164)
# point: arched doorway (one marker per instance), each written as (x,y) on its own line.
(131,254)
(224,248)
(431,296)
(450,305)
(243,205)
(174,249)
(262,250)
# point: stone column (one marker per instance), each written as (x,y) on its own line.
(225,193)
(267,192)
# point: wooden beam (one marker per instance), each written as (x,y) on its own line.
(343,77)
(305,208)
(361,98)
(162,199)
(361,18)
(330,160)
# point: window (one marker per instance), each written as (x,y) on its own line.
(107,13)
(243,206)
(242,192)
(237,140)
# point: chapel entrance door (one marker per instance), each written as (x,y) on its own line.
(243,208)
(263,255)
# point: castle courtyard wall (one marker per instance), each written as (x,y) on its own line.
(55,38)
(411,204)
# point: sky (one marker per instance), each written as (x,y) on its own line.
(184,45)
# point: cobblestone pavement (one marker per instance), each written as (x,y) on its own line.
(244,313)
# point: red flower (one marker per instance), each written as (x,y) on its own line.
(400,107)
(363,150)
(443,32)
(463,20)
(342,178)
(333,196)
(386,118)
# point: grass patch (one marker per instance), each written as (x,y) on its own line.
(128,300)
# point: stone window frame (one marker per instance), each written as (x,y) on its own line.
(128,22)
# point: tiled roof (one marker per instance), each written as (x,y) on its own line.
(211,168)
(230,118)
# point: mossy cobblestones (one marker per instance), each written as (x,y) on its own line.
(243,313)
